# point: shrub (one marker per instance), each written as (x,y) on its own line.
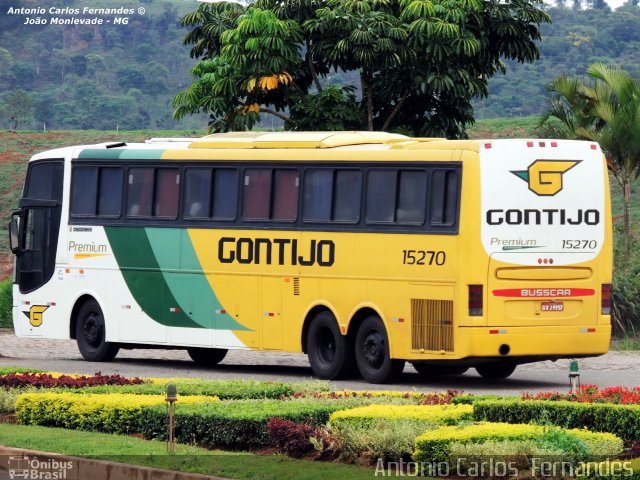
(435,445)
(239,423)
(421,398)
(298,439)
(112,413)
(622,420)
(389,431)
(7,370)
(7,400)
(46,380)
(421,414)
(223,389)
(6,303)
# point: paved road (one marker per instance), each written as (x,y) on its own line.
(615,368)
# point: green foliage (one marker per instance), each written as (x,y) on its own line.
(8,400)
(223,389)
(6,303)
(7,370)
(435,445)
(424,414)
(19,109)
(112,413)
(625,292)
(333,108)
(241,423)
(419,63)
(621,420)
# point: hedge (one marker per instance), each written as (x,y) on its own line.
(427,414)
(622,420)
(111,413)
(240,423)
(434,445)
(223,389)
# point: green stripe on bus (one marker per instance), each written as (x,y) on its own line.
(185,280)
(122,154)
(101,153)
(142,154)
(142,275)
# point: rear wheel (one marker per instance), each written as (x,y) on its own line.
(207,357)
(330,354)
(496,370)
(372,352)
(91,334)
(429,370)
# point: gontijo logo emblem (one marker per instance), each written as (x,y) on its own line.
(545,176)
(35,314)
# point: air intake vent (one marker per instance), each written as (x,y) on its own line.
(296,286)
(432,325)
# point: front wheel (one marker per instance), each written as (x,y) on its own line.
(207,357)
(496,371)
(330,354)
(373,354)
(90,334)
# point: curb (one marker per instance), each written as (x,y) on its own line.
(54,465)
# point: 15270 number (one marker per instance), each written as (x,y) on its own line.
(579,244)
(423,257)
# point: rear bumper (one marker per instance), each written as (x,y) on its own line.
(525,344)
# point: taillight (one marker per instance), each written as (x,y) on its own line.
(605,299)
(475,300)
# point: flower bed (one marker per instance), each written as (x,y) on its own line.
(592,394)
(47,380)
(112,413)
(622,420)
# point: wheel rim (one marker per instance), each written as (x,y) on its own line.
(326,346)
(92,330)
(373,349)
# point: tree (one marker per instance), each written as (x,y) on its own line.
(606,109)
(419,63)
(19,108)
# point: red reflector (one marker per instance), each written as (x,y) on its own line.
(554,144)
(529,144)
(594,146)
(541,144)
(605,299)
(487,145)
(494,332)
(475,300)
(591,330)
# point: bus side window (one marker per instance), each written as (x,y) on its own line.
(225,194)
(412,197)
(197,192)
(381,196)
(110,192)
(83,191)
(285,195)
(140,192)
(332,195)
(257,194)
(444,197)
(167,191)
(346,200)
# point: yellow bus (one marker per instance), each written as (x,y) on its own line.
(364,250)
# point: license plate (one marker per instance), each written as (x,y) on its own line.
(552,306)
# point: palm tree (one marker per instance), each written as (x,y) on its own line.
(604,109)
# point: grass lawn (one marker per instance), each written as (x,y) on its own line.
(132,450)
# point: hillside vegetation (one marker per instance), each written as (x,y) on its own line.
(125,76)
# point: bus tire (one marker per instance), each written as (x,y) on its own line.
(496,371)
(330,354)
(372,352)
(428,370)
(207,357)
(91,332)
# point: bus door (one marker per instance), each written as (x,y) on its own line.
(39,219)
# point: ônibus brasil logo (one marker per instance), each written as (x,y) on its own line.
(545,176)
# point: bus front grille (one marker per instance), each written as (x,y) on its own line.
(432,325)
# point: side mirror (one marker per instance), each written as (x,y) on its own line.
(14,234)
